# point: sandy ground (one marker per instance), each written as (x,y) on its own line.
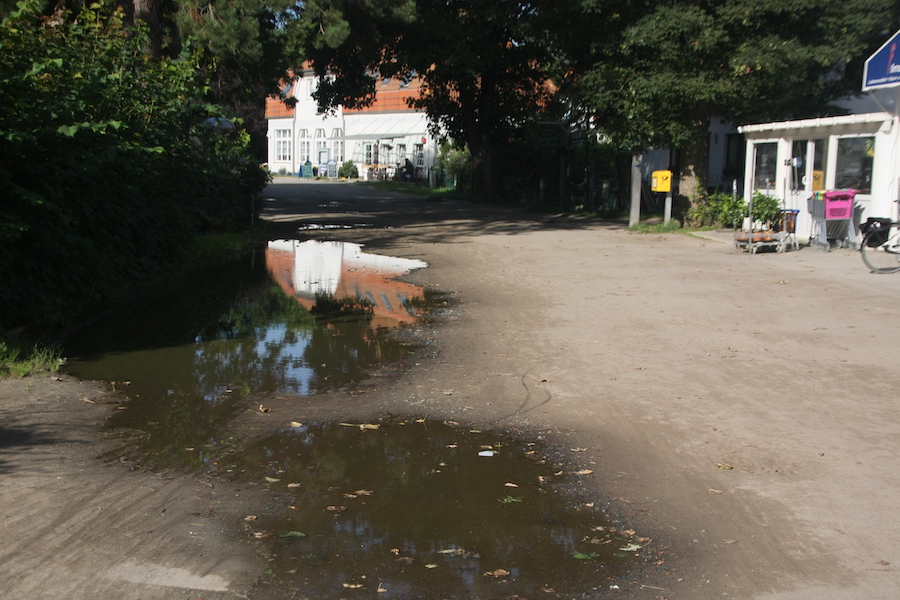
(740,410)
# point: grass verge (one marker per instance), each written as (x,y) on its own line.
(19,361)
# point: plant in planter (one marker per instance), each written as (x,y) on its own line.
(766,210)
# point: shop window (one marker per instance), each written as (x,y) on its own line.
(797,166)
(765,163)
(855,157)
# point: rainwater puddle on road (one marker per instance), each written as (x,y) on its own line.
(393,509)
(299,318)
(419,509)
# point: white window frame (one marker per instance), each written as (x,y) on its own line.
(283,145)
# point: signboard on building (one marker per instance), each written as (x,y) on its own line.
(882,69)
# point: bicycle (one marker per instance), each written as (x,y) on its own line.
(880,246)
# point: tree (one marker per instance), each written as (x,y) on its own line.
(667,67)
(483,63)
(102,178)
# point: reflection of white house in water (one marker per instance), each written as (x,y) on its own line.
(343,271)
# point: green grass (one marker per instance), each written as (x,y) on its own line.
(19,361)
(672,226)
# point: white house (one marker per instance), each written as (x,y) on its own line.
(378,138)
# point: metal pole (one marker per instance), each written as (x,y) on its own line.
(635,216)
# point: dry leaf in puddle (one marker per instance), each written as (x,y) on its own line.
(498,573)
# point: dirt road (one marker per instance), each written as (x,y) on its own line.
(740,410)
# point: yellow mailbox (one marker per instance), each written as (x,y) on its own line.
(661,182)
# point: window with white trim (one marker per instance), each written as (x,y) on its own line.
(283,145)
(303,145)
(855,157)
(419,152)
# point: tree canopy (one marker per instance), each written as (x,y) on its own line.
(646,73)
(674,64)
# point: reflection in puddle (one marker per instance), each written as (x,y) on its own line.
(198,349)
(424,510)
(387,510)
(342,271)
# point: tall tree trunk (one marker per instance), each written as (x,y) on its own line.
(150,12)
(693,169)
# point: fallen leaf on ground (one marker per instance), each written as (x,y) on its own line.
(294,485)
(497,573)
(334,508)
(431,566)
(295,424)
(712,491)
(352,586)
(263,409)
(507,484)
(584,472)
(88,400)
(725,466)
(272,480)
(250,518)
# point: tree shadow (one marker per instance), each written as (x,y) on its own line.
(395,215)
(17,440)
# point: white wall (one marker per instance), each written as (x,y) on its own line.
(881,127)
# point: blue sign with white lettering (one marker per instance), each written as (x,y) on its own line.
(883,68)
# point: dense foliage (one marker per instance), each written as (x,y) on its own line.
(664,68)
(106,169)
(641,74)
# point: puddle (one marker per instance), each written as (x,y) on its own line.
(299,318)
(415,509)
(398,509)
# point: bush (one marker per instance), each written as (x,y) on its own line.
(109,175)
(766,208)
(348,170)
(717,210)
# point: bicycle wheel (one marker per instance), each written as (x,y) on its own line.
(881,249)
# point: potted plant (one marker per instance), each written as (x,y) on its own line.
(766,214)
